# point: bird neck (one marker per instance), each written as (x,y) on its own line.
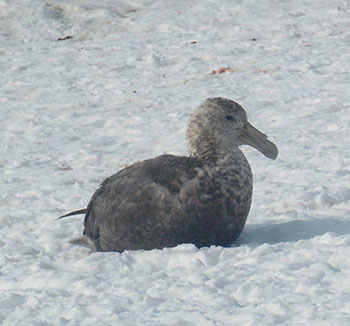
(204,148)
(208,149)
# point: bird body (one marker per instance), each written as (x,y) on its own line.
(202,199)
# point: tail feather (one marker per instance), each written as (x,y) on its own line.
(80,211)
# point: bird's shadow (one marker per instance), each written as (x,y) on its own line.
(292,231)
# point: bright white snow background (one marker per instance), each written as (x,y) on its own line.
(75,111)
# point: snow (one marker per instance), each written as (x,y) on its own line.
(77,110)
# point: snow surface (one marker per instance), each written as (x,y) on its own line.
(77,110)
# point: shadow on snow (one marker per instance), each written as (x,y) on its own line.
(292,231)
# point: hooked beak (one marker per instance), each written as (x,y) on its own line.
(253,137)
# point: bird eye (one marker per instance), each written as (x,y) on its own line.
(229,117)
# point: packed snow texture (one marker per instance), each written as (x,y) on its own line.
(88,87)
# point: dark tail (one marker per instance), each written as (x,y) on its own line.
(80,211)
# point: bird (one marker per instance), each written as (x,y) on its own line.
(203,198)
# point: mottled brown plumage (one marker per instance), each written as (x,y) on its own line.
(202,199)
